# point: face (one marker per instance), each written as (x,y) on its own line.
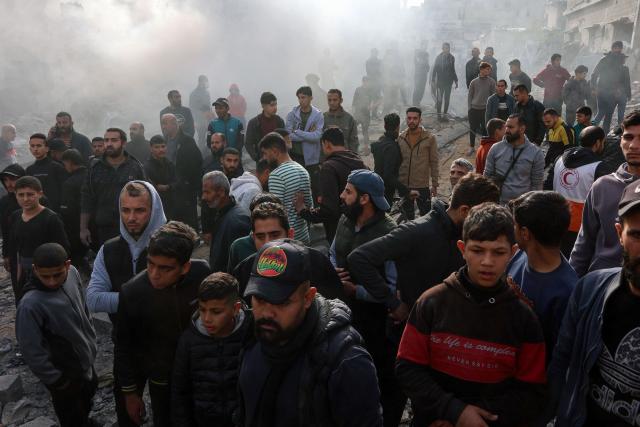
(581,76)
(52,277)
(270,109)
(113,145)
(583,119)
(446,48)
(630,143)
(484,72)
(304,100)
(9,183)
(549,120)
(164,271)
(135,213)
(270,155)
(616,49)
(475,52)
(175,99)
(64,124)
(217,143)
(212,196)
(276,324)
(413,120)
(514,68)
(135,130)
(501,88)
(500,133)
(521,96)
(486,260)
(556,62)
(456,172)
(334,101)
(169,126)
(629,234)
(221,111)
(352,205)
(230,163)
(38,148)
(513,131)
(267,230)
(488,52)
(217,316)
(28,198)
(8,133)
(158,151)
(98,148)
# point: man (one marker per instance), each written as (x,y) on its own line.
(419,163)
(576,93)
(338,164)
(7,150)
(50,173)
(138,146)
(57,147)
(294,326)
(200,105)
(387,158)
(182,114)
(265,122)
(443,76)
(97,148)
(472,68)
(363,101)
(592,373)
(491,60)
(515,164)
(610,81)
(70,206)
(105,179)
(495,130)
(121,258)
(552,79)
(531,112)
(250,184)
(287,179)
(559,135)
(518,77)
(56,337)
(459,168)
(454,364)
(337,117)
(217,144)
(373,67)
(231,220)
(228,125)
(597,245)
(313,82)
(364,219)
(421,72)
(500,105)
(230,161)
(64,129)
(480,89)
(184,153)
(155,308)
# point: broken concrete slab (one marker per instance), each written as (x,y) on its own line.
(40,422)
(10,388)
(15,413)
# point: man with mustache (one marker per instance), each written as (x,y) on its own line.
(594,368)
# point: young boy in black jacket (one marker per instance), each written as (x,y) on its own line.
(205,370)
(472,352)
(161,173)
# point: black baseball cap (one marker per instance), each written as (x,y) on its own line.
(630,198)
(221,101)
(279,268)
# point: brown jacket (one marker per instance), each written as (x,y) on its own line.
(419,162)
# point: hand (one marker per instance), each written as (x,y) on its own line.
(345,278)
(472,416)
(414,194)
(135,407)
(400,314)
(298,201)
(434,191)
(85,236)
(206,237)
(6,263)
(312,128)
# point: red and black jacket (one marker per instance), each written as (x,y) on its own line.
(464,344)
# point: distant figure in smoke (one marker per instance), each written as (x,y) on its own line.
(373,67)
(237,104)
(63,129)
(491,60)
(138,146)
(442,77)
(363,102)
(327,67)
(200,104)
(421,66)
(265,122)
(230,126)
(472,69)
(395,96)
(183,114)
(320,95)
(7,150)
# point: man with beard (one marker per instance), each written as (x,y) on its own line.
(200,105)
(72,139)
(442,77)
(265,122)
(308,365)
(217,145)
(138,146)
(531,112)
(594,367)
(105,179)
(231,163)
(182,114)
(515,164)
(597,243)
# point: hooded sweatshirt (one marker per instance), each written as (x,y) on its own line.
(486,142)
(598,245)
(100,294)
(244,188)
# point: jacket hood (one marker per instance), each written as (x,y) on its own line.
(487,140)
(347,158)
(623,175)
(156,220)
(13,170)
(579,156)
(454,281)
(245,179)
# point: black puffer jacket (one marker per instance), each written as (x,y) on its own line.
(205,375)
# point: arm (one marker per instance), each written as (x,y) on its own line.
(490,110)
(124,349)
(188,126)
(585,245)
(490,164)
(329,196)
(56,233)
(392,277)
(100,297)
(434,163)
(538,80)
(472,91)
(353,133)
(548,182)
(537,171)
(251,140)
(314,135)
(181,393)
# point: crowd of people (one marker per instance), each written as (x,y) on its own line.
(512,301)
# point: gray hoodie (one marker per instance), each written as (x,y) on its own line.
(100,297)
(54,331)
(598,246)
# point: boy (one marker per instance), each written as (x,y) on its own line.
(56,335)
(50,173)
(576,92)
(31,226)
(201,396)
(70,205)
(472,352)
(583,120)
(161,173)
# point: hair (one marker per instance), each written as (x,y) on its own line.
(222,136)
(518,88)
(515,62)
(50,255)
(550,112)
(263,198)
(581,69)
(135,189)
(555,56)
(219,286)
(493,125)
(519,118)
(617,44)
(172,92)
(218,179)
(56,144)
(97,139)
(157,139)
(414,110)
(267,210)
(72,155)
(273,140)
(262,165)
(175,240)
(63,114)
(631,119)
(487,222)
(586,110)
(304,90)
(590,135)
(504,81)
(230,150)
(123,134)
(447,44)
(484,65)
(334,136)
(489,48)
(40,136)
(28,182)
(463,163)
(546,215)
(474,189)
(336,91)
(391,122)
(267,98)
